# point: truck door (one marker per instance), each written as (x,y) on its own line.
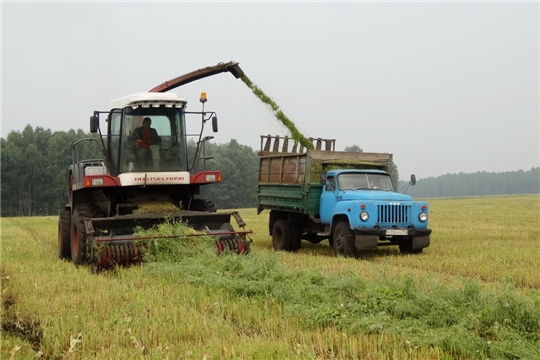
(328,200)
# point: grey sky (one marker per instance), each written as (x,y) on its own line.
(446,87)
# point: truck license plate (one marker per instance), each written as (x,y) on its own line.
(391,232)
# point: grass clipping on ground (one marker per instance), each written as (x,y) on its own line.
(295,133)
(466,320)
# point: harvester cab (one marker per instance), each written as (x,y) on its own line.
(146,133)
(143,176)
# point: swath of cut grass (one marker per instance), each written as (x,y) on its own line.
(461,321)
(456,319)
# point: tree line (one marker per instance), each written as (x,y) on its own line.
(34,166)
(480,183)
(35,162)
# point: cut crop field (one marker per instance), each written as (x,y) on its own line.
(474,293)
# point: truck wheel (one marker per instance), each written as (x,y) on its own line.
(274,215)
(296,237)
(281,235)
(79,247)
(405,247)
(202,205)
(64,239)
(343,239)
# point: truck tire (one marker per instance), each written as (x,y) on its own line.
(64,235)
(274,215)
(343,239)
(79,247)
(405,247)
(296,237)
(281,235)
(202,205)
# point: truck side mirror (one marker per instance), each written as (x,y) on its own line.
(214,124)
(94,124)
(322,179)
(413,179)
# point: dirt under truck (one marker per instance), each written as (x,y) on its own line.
(126,186)
(345,197)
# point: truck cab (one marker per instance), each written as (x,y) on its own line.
(345,197)
(365,201)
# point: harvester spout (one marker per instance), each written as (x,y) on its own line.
(231,66)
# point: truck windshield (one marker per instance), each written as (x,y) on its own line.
(356,181)
(148,139)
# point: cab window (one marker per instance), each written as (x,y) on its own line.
(330,183)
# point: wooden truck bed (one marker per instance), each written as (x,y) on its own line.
(290,181)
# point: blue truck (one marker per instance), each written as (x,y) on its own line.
(344,197)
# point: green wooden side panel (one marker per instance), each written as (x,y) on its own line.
(313,199)
(299,198)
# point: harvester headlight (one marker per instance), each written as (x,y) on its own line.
(364,216)
(422,216)
(97,181)
(210,177)
(93,181)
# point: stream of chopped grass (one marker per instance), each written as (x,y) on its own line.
(278,113)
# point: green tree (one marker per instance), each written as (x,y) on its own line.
(34,165)
(353,148)
(23,169)
(480,183)
(239,165)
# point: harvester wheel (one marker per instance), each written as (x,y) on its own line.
(202,205)
(64,228)
(70,187)
(79,246)
(281,235)
(343,238)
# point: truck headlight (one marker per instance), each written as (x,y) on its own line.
(364,216)
(422,216)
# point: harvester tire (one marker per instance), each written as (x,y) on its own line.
(64,235)
(79,246)
(282,235)
(202,205)
(343,239)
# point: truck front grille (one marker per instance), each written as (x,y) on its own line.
(393,213)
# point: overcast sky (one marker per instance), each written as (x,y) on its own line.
(446,87)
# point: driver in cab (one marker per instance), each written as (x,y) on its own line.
(143,137)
